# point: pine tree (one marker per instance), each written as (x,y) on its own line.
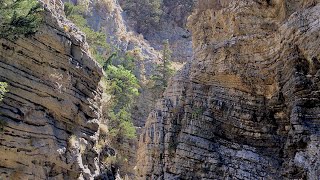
(19,17)
(163,71)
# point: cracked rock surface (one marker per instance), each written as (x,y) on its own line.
(247,106)
(52,110)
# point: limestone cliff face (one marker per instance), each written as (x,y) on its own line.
(52,109)
(107,16)
(247,106)
(170,24)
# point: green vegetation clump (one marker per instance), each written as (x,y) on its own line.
(19,17)
(163,71)
(122,84)
(124,88)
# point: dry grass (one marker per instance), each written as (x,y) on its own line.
(110,160)
(83,148)
(103,129)
(72,141)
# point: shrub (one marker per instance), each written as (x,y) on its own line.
(19,17)
(110,160)
(121,126)
(123,87)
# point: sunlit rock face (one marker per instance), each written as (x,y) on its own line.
(247,106)
(52,110)
(170,23)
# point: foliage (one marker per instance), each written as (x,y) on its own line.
(97,40)
(121,126)
(107,4)
(127,61)
(163,71)
(19,17)
(123,86)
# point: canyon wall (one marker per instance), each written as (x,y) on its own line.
(247,106)
(52,111)
(159,20)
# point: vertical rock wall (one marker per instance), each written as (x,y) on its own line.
(247,107)
(171,24)
(52,110)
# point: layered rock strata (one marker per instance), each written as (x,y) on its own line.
(52,110)
(248,106)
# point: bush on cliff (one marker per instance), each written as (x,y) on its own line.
(19,17)
(121,82)
(123,88)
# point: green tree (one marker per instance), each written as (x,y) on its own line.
(163,71)
(123,86)
(19,17)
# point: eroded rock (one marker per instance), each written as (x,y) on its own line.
(247,106)
(52,109)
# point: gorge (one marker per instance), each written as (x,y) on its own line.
(244,102)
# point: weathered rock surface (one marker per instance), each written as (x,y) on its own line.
(247,106)
(52,109)
(171,24)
